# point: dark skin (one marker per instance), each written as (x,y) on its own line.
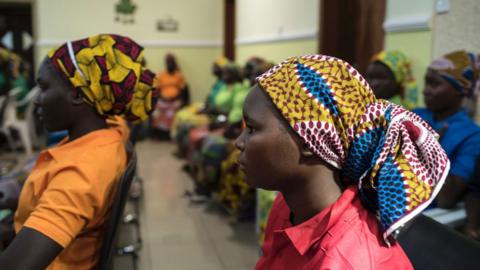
(273,157)
(382,81)
(231,76)
(444,100)
(217,71)
(61,107)
(171,63)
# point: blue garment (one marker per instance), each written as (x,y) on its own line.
(461,141)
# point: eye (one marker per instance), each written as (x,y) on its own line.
(250,129)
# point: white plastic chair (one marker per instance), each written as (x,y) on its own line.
(23,126)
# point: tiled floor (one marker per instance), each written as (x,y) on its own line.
(178,234)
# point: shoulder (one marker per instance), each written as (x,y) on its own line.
(103,159)
(421,112)
(361,247)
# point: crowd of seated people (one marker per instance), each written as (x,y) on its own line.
(205,132)
(206,138)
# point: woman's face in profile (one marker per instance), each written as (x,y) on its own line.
(269,153)
(55,98)
(382,80)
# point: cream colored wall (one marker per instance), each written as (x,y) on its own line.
(70,19)
(276,29)
(458,28)
(277,51)
(275,18)
(196,44)
(408,28)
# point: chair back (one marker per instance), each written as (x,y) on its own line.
(432,245)
(121,196)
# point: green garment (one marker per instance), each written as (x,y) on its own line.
(236,113)
(23,85)
(214,91)
(224,100)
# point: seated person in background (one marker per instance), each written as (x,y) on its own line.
(249,69)
(196,115)
(6,75)
(225,113)
(217,166)
(448,81)
(472,205)
(315,133)
(170,85)
(390,76)
(65,201)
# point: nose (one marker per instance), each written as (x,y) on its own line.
(240,141)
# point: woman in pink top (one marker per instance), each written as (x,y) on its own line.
(350,169)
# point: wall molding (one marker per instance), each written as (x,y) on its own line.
(281,37)
(408,24)
(150,43)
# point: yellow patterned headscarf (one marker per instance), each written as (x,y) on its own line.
(107,69)
(390,153)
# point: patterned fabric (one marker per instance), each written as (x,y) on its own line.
(459,68)
(233,192)
(390,153)
(400,66)
(107,70)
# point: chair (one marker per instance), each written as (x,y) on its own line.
(116,214)
(432,245)
(25,127)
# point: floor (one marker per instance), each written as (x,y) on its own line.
(178,234)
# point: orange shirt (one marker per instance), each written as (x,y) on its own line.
(169,85)
(121,126)
(68,194)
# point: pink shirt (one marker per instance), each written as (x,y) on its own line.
(343,236)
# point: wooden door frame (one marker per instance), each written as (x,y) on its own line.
(229,30)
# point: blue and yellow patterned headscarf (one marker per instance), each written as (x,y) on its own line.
(390,153)
(460,69)
(401,68)
(107,69)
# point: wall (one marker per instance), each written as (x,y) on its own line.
(408,28)
(457,28)
(196,44)
(291,30)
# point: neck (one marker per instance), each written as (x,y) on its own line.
(439,116)
(312,195)
(86,125)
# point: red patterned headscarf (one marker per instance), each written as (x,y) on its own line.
(107,70)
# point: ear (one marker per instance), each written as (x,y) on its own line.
(78,99)
(305,151)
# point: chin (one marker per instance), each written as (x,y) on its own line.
(252,183)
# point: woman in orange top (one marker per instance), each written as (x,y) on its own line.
(171,86)
(66,199)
